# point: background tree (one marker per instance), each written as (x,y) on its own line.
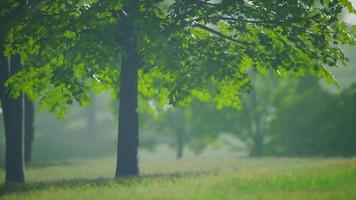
(192,126)
(91,117)
(250,124)
(173,125)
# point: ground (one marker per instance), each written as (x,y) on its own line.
(192,178)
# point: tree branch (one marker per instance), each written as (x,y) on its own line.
(205,3)
(282,40)
(219,34)
(274,22)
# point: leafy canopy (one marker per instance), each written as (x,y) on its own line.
(189,48)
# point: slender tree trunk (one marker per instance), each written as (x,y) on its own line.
(128,140)
(90,118)
(29,128)
(258,139)
(14,124)
(179,145)
(256,131)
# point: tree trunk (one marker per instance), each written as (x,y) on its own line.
(14,124)
(128,141)
(258,147)
(90,118)
(258,141)
(29,128)
(179,145)
(256,129)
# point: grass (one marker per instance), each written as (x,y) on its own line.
(192,178)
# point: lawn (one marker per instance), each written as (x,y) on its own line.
(192,178)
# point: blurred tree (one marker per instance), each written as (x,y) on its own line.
(314,123)
(250,124)
(194,126)
(175,124)
(343,141)
(193,48)
(91,117)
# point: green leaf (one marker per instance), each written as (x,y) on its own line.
(69,34)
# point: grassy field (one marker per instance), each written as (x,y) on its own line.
(192,178)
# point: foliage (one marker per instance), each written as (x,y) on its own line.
(188,48)
(55,41)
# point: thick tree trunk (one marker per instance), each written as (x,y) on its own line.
(128,140)
(14,125)
(29,128)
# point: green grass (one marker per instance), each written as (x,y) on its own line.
(192,178)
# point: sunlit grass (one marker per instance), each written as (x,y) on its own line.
(204,178)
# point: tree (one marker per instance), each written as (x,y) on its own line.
(174,125)
(195,48)
(249,123)
(13,122)
(13,108)
(193,126)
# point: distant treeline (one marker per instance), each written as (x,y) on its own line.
(315,123)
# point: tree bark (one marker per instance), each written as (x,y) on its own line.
(29,128)
(128,140)
(14,124)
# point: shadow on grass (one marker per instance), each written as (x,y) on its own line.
(43,165)
(48,164)
(22,188)
(98,182)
